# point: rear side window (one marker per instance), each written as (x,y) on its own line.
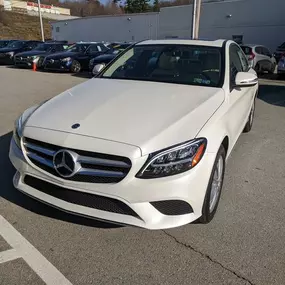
(283,45)
(247,50)
(266,51)
(258,50)
(93,48)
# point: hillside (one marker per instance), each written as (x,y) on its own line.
(21,26)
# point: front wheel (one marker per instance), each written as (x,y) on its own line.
(75,66)
(214,189)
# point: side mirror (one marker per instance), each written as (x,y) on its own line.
(245,79)
(97,68)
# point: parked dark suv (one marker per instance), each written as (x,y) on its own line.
(7,53)
(75,58)
(280,51)
(27,58)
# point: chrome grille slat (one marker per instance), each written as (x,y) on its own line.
(102,161)
(40,159)
(92,167)
(101,173)
(40,149)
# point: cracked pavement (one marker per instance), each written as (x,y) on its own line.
(244,244)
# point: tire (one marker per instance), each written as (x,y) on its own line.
(75,66)
(213,192)
(257,68)
(249,122)
(272,69)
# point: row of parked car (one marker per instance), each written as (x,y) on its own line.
(58,55)
(262,60)
(61,56)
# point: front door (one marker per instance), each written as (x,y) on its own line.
(240,99)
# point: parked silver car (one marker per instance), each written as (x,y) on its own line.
(260,58)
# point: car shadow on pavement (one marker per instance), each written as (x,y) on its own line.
(9,193)
(83,74)
(272,94)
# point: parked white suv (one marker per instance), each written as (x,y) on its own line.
(145,143)
(260,58)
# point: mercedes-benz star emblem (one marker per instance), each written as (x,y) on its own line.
(65,163)
(75,126)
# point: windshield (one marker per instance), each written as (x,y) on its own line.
(17,44)
(78,48)
(182,64)
(43,47)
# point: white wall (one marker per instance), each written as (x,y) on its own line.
(259,21)
(133,27)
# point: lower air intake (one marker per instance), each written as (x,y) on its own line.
(172,207)
(80,198)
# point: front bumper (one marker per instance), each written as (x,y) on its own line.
(137,194)
(6,59)
(57,65)
(27,64)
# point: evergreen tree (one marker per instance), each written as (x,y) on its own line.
(156,6)
(137,6)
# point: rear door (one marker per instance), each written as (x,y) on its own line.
(240,99)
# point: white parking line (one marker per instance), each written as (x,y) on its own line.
(21,248)
(9,255)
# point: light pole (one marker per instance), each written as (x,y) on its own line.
(41,20)
(196,19)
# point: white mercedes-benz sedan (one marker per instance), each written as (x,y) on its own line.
(145,143)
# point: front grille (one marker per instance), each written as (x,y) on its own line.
(80,198)
(53,64)
(172,207)
(93,167)
(21,59)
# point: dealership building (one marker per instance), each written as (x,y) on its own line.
(250,21)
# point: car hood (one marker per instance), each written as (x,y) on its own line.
(148,115)
(31,53)
(104,57)
(9,49)
(64,54)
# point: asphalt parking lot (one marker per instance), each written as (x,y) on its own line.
(244,244)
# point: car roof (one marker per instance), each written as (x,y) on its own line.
(88,43)
(252,45)
(216,43)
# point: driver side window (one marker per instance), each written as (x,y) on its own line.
(235,64)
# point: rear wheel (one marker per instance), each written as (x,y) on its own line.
(272,69)
(75,66)
(257,68)
(214,189)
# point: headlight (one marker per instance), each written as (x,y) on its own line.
(66,59)
(21,121)
(11,53)
(35,59)
(174,160)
